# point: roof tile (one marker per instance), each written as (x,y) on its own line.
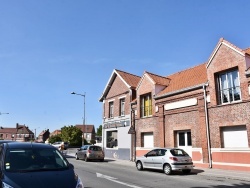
(131,79)
(160,80)
(186,78)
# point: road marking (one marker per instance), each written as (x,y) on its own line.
(115,180)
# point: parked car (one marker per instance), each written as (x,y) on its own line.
(61,145)
(5,141)
(166,159)
(29,165)
(90,152)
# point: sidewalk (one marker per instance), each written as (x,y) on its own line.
(219,173)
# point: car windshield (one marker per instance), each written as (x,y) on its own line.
(30,159)
(178,152)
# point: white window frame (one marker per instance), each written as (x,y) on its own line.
(122,107)
(111,109)
(224,90)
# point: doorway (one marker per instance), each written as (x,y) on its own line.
(184,141)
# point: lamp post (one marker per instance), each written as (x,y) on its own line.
(83,95)
(35,131)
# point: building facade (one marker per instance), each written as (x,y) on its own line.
(88,132)
(20,133)
(43,136)
(204,110)
(116,98)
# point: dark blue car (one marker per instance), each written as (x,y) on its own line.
(29,165)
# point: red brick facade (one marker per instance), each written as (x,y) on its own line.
(166,123)
(189,103)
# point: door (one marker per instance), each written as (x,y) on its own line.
(184,141)
(149,159)
(159,159)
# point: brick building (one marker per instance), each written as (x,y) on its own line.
(88,132)
(116,98)
(20,133)
(204,109)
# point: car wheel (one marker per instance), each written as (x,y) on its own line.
(76,157)
(86,158)
(139,166)
(167,169)
(186,171)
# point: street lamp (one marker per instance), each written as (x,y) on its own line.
(35,131)
(83,95)
(3,113)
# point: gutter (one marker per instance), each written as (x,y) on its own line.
(180,91)
(207,127)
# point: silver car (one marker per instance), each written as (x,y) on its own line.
(90,152)
(166,159)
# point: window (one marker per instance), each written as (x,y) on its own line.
(184,138)
(146,105)
(122,107)
(112,140)
(229,87)
(111,109)
(234,137)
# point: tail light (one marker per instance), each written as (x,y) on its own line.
(173,158)
(89,151)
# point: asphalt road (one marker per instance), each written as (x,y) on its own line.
(109,174)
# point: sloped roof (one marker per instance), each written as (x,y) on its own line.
(186,79)
(160,80)
(8,130)
(129,80)
(22,129)
(247,51)
(55,132)
(44,131)
(86,128)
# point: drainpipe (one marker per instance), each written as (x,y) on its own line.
(164,136)
(132,123)
(207,127)
(103,130)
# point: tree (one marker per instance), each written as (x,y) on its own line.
(99,131)
(55,138)
(71,134)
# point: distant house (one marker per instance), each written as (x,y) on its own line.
(43,136)
(56,132)
(20,133)
(88,132)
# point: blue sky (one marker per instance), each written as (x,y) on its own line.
(50,48)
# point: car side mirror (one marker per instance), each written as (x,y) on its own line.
(71,166)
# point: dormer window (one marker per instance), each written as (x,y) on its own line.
(146,105)
(229,87)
